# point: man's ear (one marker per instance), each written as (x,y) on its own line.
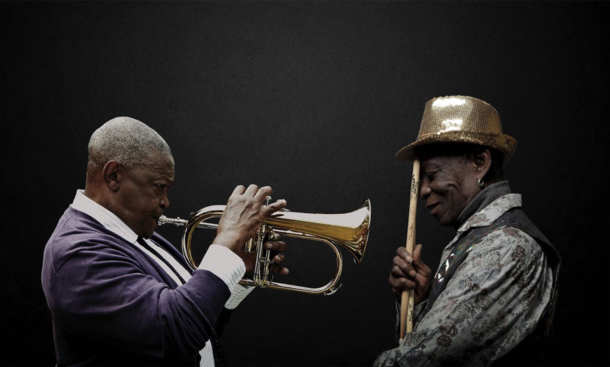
(481,158)
(110,173)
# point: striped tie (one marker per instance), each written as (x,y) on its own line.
(147,246)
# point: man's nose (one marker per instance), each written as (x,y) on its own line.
(424,190)
(165,202)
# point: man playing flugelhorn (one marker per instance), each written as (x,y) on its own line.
(119,293)
(495,289)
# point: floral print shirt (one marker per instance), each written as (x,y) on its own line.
(493,301)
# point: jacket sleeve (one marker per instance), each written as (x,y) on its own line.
(98,290)
(493,301)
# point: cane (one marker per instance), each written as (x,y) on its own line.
(407,300)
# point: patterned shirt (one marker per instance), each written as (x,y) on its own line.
(495,298)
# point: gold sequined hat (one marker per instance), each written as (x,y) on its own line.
(460,119)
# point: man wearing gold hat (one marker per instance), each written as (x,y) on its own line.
(496,287)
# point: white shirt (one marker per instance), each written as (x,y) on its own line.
(219,260)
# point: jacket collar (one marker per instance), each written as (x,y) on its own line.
(491,212)
(108,219)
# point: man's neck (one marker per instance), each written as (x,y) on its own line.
(483,198)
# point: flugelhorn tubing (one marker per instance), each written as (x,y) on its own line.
(328,289)
(349,230)
(407,300)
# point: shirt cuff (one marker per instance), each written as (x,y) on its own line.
(225,264)
(238,294)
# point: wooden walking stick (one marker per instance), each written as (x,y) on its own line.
(406,304)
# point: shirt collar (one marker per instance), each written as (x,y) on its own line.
(483,199)
(491,212)
(107,218)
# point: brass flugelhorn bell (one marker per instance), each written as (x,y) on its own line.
(348,230)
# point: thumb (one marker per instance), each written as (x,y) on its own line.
(417,253)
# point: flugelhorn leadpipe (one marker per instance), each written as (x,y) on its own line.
(407,300)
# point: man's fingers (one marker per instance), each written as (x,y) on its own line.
(398,272)
(406,283)
(274,207)
(275,237)
(401,283)
(261,194)
(403,253)
(252,190)
(404,265)
(402,268)
(400,263)
(417,252)
(239,190)
(279,258)
(279,269)
(418,263)
(277,246)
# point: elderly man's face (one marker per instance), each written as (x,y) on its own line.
(447,184)
(143,194)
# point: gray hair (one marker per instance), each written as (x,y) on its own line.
(125,140)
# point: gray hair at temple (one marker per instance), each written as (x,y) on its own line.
(125,140)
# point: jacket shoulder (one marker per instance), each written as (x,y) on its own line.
(77,231)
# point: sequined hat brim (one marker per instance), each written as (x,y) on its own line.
(501,142)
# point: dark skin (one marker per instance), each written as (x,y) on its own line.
(138,196)
(447,185)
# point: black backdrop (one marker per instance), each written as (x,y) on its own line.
(314,99)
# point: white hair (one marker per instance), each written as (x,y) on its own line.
(125,140)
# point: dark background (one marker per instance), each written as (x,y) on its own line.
(314,99)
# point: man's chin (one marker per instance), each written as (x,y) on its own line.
(443,221)
(149,232)
(153,225)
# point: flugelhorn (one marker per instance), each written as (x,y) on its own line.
(348,230)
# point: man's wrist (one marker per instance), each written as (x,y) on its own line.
(230,240)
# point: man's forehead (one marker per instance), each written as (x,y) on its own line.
(441,161)
(433,162)
(165,167)
(160,164)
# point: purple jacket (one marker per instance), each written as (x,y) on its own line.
(113,305)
